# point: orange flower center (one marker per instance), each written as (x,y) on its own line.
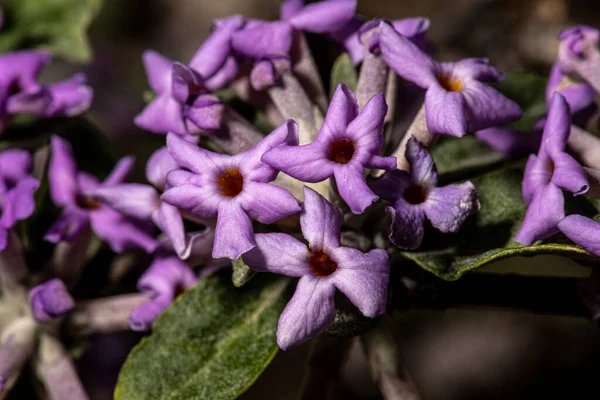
(450,84)
(321,264)
(86,203)
(415,194)
(341,151)
(231,182)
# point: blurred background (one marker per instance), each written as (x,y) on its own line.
(466,353)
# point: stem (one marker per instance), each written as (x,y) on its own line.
(418,130)
(585,146)
(327,357)
(16,346)
(589,69)
(69,258)
(236,134)
(293,103)
(373,78)
(104,315)
(387,365)
(13,269)
(246,93)
(55,369)
(307,72)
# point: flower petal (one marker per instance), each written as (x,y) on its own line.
(142,317)
(343,108)
(583,231)
(62,172)
(15,164)
(408,224)
(367,128)
(569,175)
(268,203)
(449,206)
(352,186)
(477,69)
(133,199)
(320,221)
(487,107)
(158,70)
(308,313)
(324,17)
(405,58)
(536,175)
(307,163)
(199,201)
(121,171)
(233,234)
(162,115)
(422,167)
(543,215)
(278,253)
(19,202)
(391,185)
(158,166)
(445,111)
(192,157)
(70,97)
(122,232)
(558,126)
(363,278)
(289,8)
(263,39)
(68,226)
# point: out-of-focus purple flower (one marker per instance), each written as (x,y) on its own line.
(510,142)
(231,188)
(413,29)
(350,35)
(166,278)
(259,39)
(143,201)
(182,105)
(16,190)
(72,190)
(50,300)
(347,143)
(457,99)
(547,173)
(415,197)
(69,98)
(578,53)
(323,266)
(267,71)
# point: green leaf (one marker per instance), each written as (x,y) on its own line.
(211,344)
(488,235)
(56,25)
(529,91)
(343,71)
(241,273)
(462,156)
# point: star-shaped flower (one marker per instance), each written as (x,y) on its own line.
(323,266)
(457,99)
(547,173)
(231,188)
(347,143)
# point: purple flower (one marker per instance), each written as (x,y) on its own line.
(347,143)
(510,142)
(166,278)
(260,39)
(182,105)
(69,98)
(322,266)
(232,188)
(16,190)
(578,53)
(583,231)
(415,196)
(457,101)
(71,189)
(143,201)
(547,173)
(352,35)
(50,300)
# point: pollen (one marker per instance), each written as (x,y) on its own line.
(450,84)
(321,265)
(415,194)
(231,182)
(341,151)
